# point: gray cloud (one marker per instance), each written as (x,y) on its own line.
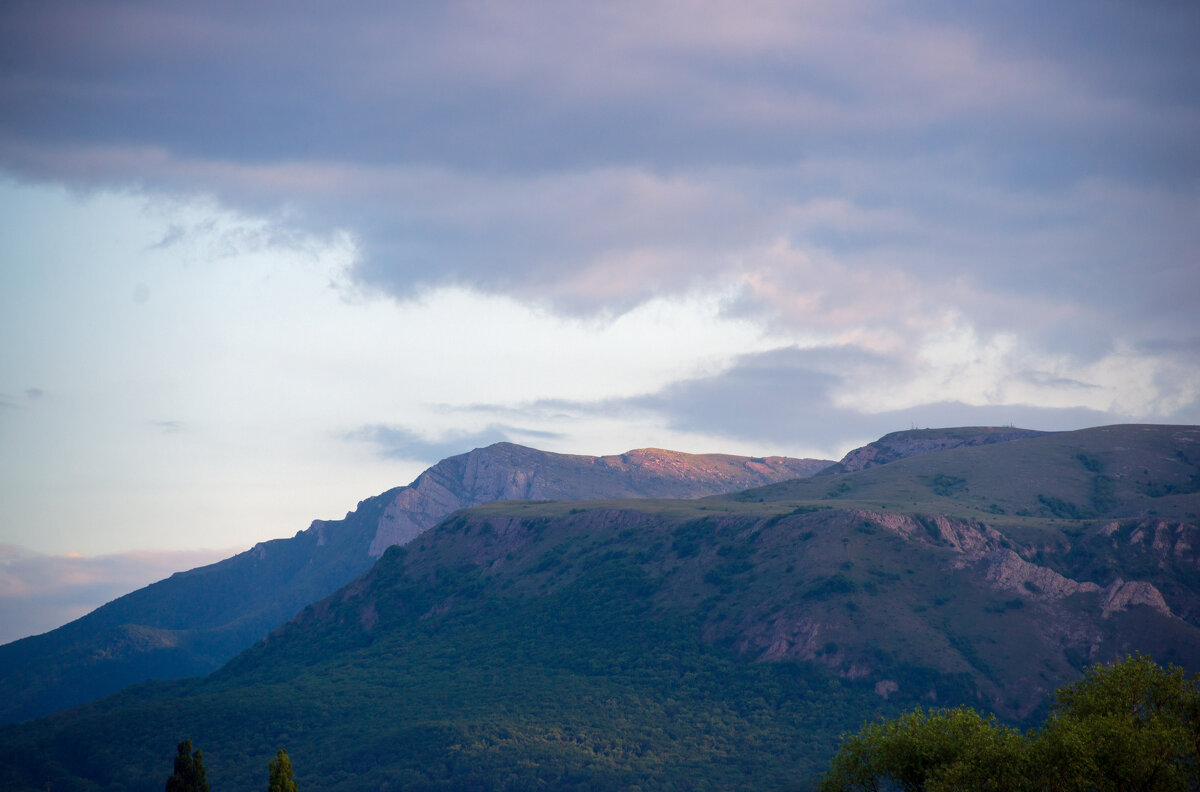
(10,401)
(786,399)
(516,85)
(398,442)
(788,395)
(1185,345)
(175,233)
(1047,379)
(539,150)
(1024,170)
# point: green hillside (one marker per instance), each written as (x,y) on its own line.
(443,679)
(723,643)
(913,442)
(194,621)
(1102,473)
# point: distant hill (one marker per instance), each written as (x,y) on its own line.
(194,621)
(725,642)
(1105,472)
(914,442)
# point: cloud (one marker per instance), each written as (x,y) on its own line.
(594,158)
(398,442)
(976,169)
(818,401)
(41,592)
(518,85)
(607,224)
(174,234)
(1046,379)
(793,395)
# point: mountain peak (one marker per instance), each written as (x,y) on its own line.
(507,471)
(222,608)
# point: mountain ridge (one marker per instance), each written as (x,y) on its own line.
(713,643)
(913,442)
(471,479)
(192,622)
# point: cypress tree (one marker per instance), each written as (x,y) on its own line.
(189,771)
(281,774)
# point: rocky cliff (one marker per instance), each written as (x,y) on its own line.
(510,472)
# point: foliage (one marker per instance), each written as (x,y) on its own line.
(946,485)
(1129,726)
(1060,508)
(281,774)
(583,688)
(945,749)
(1103,493)
(1132,725)
(189,771)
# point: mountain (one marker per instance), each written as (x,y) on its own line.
(194,621)
(913,442)
(715,643)
(1106,472)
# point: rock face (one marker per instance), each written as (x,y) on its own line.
(510,472)
(214,612)
(1119,595)
(899,445)
(1007,571)
(963,536)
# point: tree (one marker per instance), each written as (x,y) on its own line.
(281,774)
(189,771)
(1129,726)
(946,749)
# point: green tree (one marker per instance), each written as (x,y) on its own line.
(189,771)
(1129,726)
(947,749)
(281,774)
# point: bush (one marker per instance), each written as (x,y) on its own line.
(1132,725)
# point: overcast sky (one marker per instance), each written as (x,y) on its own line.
(259,261)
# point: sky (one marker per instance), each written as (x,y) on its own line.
(261,261)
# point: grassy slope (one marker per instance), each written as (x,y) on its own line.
(899,445)
(1107,472)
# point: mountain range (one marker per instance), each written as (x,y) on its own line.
(193,622)
(721,642)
